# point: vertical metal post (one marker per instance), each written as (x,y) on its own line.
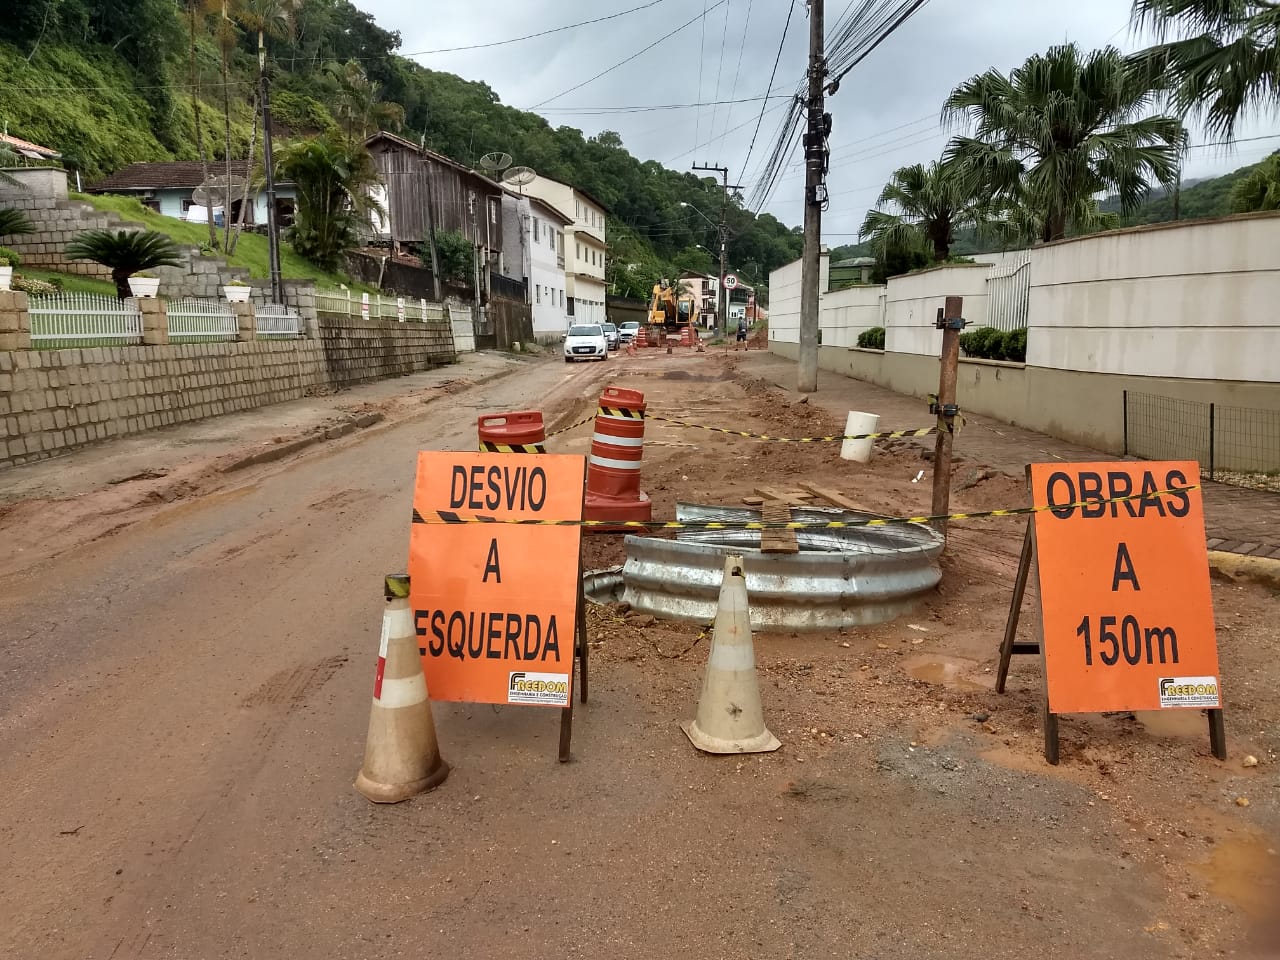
(1126,423)
(431,228)
(1212,431)
(815,168)
(475,259)
(951,322)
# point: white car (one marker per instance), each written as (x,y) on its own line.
(585,341)
(629,331)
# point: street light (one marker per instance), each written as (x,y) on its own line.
(720,291)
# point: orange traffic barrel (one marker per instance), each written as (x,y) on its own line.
(521,432)
(617,448)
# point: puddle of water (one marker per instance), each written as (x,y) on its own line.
(945,671)
(1174,724)
(1246,872)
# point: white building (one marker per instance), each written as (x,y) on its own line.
(584,246)
(534,240)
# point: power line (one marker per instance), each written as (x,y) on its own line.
(724,36)
(772,76)
(869,40)
(638,53)
(742,48)
(647,108)
(699,146)
(529,36)
(702,59)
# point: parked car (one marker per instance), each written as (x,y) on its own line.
(611,336)
(585,341)
(629,331)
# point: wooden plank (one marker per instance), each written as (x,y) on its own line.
(777,541)
(753,501)
(794,496)
(832,497)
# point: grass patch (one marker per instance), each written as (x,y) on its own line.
(251,251)
(72,282)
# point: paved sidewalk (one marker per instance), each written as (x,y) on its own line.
(1238,520)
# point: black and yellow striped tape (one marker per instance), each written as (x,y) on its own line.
(573,426)
(887,435)
(449,517)
(487,447)
(621,412)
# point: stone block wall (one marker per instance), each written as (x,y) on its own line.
(54,401)
(357,350)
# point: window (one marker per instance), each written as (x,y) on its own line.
(561,298)
(537,288)
(579,251)
(551,238)
(535,229)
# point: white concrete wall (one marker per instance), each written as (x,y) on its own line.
(1194,300)
(847,313)
(912,303)
(784,303)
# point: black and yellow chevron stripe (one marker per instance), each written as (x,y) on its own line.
(487,447)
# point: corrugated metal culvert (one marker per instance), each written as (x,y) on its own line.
(839,578)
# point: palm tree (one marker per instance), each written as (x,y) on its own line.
(14,223)
(334,178)
(931,203)
(1258,190)
(1218,59)
(198,8)
(1061,129)
(125,252)
(360,107)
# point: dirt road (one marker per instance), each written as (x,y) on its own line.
(183,707)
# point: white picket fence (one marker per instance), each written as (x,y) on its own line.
(84,319)
(377,307)
(193,320)
(277,320)
(1009,293)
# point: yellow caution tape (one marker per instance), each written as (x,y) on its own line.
(572,426)
(487,447)
(639,415)
(448,517)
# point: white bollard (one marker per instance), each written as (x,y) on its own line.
(859,423)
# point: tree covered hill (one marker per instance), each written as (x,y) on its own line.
(110,82)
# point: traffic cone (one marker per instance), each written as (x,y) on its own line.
(730,718)
(401,756)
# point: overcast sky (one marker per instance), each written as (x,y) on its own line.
(885,113)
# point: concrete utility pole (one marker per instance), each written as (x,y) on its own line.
(722,296)
(815,199)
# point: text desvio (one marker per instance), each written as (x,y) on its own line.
(498,487)
(1067,493)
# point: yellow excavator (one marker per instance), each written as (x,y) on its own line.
(672,308)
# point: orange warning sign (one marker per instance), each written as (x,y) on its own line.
(495,605)
(1124,588)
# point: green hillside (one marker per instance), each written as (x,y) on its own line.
(77,75)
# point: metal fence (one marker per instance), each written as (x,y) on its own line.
(65,320)
(1239,445)
(1009,293)
(199,321)
(277,320)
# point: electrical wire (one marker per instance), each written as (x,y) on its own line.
(772,76)
(580,111)
(859,34)
(724,36)
(733,92)
(702,60)
(623,62)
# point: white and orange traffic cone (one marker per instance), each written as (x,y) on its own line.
(401,756)
(730,718)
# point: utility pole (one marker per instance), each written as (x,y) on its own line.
(475,258)
(815,199)
(722,297)
(268,162)
(951,322)
(430,222)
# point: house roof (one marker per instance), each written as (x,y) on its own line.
(437,157)
(179,175)
(599,203)
(555,212)
(28,149)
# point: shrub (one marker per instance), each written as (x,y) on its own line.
(33,286)
(978,343)
(872,339)
(14,223)
(8,258)
(1014,346)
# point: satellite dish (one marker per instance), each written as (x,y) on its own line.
(519,176)
(495,162)
(214,191)
(208,196)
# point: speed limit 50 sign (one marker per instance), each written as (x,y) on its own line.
(1126,610)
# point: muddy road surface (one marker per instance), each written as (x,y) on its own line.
(183,705)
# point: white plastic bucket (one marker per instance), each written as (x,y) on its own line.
(859,423)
